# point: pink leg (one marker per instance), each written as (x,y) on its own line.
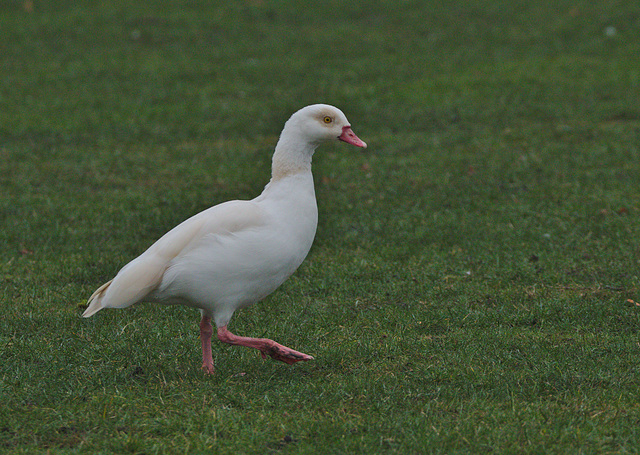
(205,336)
(264,345)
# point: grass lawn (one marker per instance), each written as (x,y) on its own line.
(474,286)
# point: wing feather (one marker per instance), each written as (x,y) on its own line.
(140,277)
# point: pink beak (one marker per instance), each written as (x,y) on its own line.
(350,137)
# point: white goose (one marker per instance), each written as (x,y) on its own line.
(238,252)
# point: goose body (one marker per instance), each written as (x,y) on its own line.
(236,253)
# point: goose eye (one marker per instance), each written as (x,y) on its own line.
(327,119)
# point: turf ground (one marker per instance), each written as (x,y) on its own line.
(474,283)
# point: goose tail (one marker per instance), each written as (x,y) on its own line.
(95,301)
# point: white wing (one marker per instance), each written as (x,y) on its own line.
(140,277)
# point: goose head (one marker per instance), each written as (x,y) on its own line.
(303,132)
(320,123)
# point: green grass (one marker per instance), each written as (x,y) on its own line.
(473,281)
